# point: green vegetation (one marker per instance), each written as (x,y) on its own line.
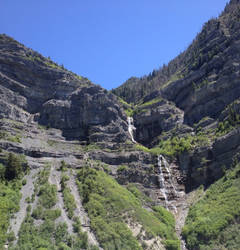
(69,201)
(153,101)
(129,112)
(53,65)
(8,137)
(10,186)
(173,78)
(42,127)
(42,60)
(110,206)
(232,120)
(212,223)
(138,194)
(16,138)
(142,148)
(174,146)
(51,143)
(48,195)
(91,147)
(9,204)
(48,214)
(34,58)
(48,235)
(63,167)
(43,176)
(200,85)
(15,168)
(177,145)
(123,102)
(122,168)
(127,107)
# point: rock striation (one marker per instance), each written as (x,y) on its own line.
(192,96)
(33,88)
(52,115)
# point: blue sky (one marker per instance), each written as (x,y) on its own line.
(107,41)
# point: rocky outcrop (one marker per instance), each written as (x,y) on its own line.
(202,80)
(207,164)
(51,115)
(88,114)
(33,87)
(198,94)
(153,119)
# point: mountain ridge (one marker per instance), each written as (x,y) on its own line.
(164,74)
(83,169)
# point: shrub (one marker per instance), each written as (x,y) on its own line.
(51,214)
(178,145)
(16,165)
(48,195)
(69,202)
(106,202)
(121,168)
(11,236)
(172,244)
(24,182)
(9,204)
(2,171)
(38,213)
(211,217)
(63,166)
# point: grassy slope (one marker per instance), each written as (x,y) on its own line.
(48,234)
(11,176)
(214,220)
(9,200)
(110,205)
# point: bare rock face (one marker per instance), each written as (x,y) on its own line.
(199,90)
(89,113)
(211,81)
(193,92)
(153,119)
(202,80)
(35,88)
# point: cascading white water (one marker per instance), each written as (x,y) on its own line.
(169,174)
(131,128)
(162,181)
(162,162)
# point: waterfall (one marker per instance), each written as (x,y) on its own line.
(162,181)
(131,128)
(169,174)
(163,163)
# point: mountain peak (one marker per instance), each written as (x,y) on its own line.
(231,5)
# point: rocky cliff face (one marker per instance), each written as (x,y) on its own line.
(201,81)
(56,118)
(194,94)
(34,88)
(187,114)
(195,79)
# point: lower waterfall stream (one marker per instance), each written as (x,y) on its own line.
(131,128)
(162,162)
(167,186)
